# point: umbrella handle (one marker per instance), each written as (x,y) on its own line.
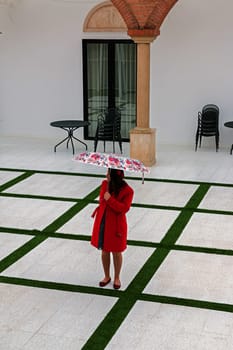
(109,169)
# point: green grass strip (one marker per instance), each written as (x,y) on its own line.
(196,199)
(65,287)
(136,205)
(71,212)
(205,250)
(87,237)
(188,182)
(190,208)
(18,231)
(16,180)
(34,196)
(186,248)
(52,172)
(21,251)
(200,304)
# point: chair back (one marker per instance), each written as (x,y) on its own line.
(109,124)
(109,128)
(208,120)
(111,114)
(207,125)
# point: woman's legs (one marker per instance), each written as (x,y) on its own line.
(106,265)
(117,261)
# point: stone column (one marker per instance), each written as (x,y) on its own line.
(142,138)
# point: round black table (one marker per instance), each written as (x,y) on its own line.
(229,125)
(69,126)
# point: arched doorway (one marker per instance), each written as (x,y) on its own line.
(143,23)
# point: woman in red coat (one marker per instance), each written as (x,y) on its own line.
(110,225)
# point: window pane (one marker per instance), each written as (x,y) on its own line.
(109,71)
(97,82)
(125,89)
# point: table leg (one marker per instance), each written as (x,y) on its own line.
(70,138)
(67,138)
(231,149)
(72,144)
(81,142)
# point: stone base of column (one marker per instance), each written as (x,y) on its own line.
(142,145)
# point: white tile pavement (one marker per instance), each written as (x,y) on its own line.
(40,318)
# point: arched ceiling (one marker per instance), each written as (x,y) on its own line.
(144,15)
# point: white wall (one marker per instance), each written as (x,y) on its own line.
(192,65)
(41,66)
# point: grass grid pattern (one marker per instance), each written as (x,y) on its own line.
(127,298)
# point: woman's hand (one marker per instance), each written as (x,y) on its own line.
(107,196)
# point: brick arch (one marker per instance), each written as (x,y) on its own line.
(126,12)
(146,15)
(159,13)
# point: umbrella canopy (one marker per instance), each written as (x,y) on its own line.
(112,161)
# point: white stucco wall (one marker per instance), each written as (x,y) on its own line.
(41,66)
(192,65)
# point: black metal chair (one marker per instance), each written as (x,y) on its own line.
(208,124)
(109,128)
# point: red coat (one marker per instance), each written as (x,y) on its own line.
(115,230)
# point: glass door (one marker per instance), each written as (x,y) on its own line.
(109,80)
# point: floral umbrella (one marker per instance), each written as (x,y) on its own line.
(112,161)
